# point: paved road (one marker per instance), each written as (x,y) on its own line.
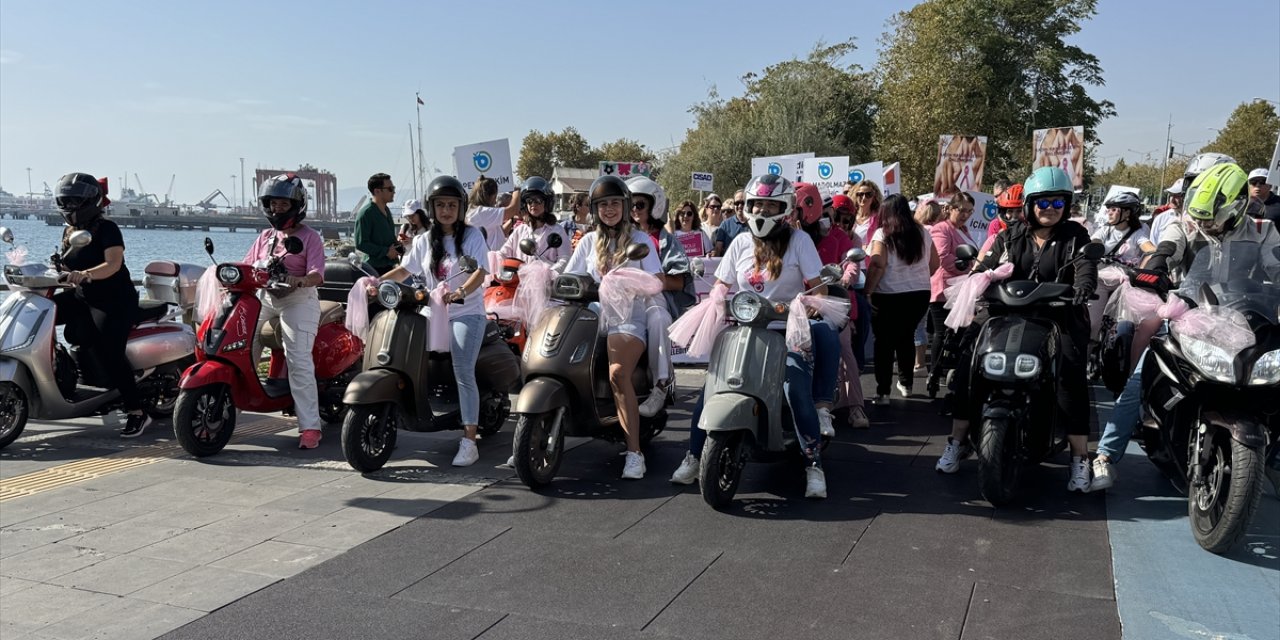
(266,541)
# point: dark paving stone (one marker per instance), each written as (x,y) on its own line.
(999,612)
(514,627)
(742,597)
(570,578)
(889,488)
(288,612)
(1070,561)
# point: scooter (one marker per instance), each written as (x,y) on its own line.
(945,362)
(405,386)
(41,378)
(499,296)
(225,379)
(566,382)
(745,413)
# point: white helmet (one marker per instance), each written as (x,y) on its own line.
(643,186)
(1201,163)
(777,189)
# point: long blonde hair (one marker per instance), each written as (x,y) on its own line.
(611,248)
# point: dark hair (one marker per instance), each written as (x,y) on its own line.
(673,219)
(435,235)
(578,199)
(377,181)
(1002,184)
(902,234)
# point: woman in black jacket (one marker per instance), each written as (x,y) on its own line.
(1044,248)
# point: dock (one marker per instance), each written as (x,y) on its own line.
(198,222)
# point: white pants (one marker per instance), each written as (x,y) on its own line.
(657,321)
(299,314)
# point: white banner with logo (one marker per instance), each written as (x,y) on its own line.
(625,170)
(871,171)
(789,166)
(891,176)
(492,159)
(828,174)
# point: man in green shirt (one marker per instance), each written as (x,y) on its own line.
(375,232)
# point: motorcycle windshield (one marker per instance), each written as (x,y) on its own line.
(1229,276)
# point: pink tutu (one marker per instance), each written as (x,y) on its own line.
(16,256)
(534,293)
(620,288)
(963,292)
(358,306)
(698,327)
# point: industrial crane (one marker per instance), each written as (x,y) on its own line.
(167,194)
(207,203)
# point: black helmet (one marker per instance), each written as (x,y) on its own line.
(289,187)
(610,187)
(1128,201)
(445,187)
(539,186)
(79,198)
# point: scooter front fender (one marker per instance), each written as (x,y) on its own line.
(730,412)
(541,395)
(375,387)
(11,369)
(209,372)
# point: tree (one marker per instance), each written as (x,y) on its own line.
(820,104)
(998,68)
(1148,176)
(1249,135)
(541,152)
(624,150)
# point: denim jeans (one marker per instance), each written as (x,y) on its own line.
(862,329)
(468,336)
(806,383)
(1124,417)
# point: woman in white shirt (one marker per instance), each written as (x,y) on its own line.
(1125,239)
(484,213)
(597,253)
(434,258)
(539,223)
(903,259)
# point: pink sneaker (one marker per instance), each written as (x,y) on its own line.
(309,439)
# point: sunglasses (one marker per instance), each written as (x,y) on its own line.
(391,189)
(713,206)
(1051,204)
(686,214)
(636,206)
(862,194)
(1257,182)
(738,203)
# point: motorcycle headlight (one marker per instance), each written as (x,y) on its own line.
(1025,366)
(228,274)
(1213,361)
(994,364)
(389,295)
(1267,369)
(746,306)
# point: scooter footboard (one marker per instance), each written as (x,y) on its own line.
(731,412)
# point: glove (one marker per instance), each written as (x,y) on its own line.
(850,275)
(1082,296)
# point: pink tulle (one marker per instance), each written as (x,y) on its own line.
(534,293)
(1173,309)
(495,263)
(1112,276)
(833,310)
(209,294)
(1131,303)
(698,327)
(358,305)
(964,291)
(620,288)
(1225,328)
(799,338)
(439,333)
(17,256)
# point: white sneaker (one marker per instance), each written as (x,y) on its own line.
(655,402)
(902,388)
(858,418)
(634,468)
(1079,474)
(687,472)
(1104,475)
(825,427)
(952,455)
(815,483)
(467,453)
(511,462)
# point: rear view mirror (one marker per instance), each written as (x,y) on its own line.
(6,235)
(80,238)
(830,274)
(293,244)
(966,252)
(856,254)
(468,264)
(1093,250)
(555,240)
(208,246)
(529,247)
(638,251)
(697,268)
(357,259)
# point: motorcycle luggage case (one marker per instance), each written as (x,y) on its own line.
(339,276)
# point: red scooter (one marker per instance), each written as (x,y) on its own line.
(501,293)
(225,376)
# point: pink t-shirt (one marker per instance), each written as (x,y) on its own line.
(309,260)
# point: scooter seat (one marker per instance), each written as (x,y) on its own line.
(273,338)
(149,310)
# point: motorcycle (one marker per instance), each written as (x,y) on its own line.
(1210,396)
(405,386)
(945,362)
(566,381)
(501,293)
(225,377)
(1109,352)
(41,378)
(1014,380)
(745,413)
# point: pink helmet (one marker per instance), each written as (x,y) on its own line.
(808,203)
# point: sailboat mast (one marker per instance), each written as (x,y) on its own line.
(412,166)
(422,165)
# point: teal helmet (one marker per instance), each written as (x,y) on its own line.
(1047,181)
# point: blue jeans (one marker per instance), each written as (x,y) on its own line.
(468,335)
(807,382)
(861,329)
(1124,417)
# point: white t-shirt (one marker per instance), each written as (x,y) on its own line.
(799,263)
(489,219)
(583,260)
(418,262)
(900,277)
(1110,236)
(1162,222)
(511,248)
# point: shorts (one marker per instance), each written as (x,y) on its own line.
(634,326)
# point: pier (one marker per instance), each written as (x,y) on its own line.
(197,222)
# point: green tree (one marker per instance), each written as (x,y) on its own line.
(541,152)
(624,150)
(821,104)
(1148,176)
(1249,135)
(998,68)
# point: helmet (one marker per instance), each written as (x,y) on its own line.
(1010,198)
(445,187)
(643,186)
(841,202)
(289,187)
(539,186)
(80,199)
(609,187)
(1128,201)
(776,189)
(1216,200)
(808,203)
(1047,181)
(1201,163)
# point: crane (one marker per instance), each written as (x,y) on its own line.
(168,193)
(207,203)
(47,191)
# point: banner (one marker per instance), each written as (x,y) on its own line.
(625,170)
(1273,171)
(789,166)
(869,171)
(492,159)
(827,174)
(961,160)
(702,181)
(1061,147)
(891,186)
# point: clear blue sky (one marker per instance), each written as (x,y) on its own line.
(159,88)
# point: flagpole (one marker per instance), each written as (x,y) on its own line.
(412,166)
(422,165)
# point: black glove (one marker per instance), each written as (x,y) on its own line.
(1157,281)
(1082,296)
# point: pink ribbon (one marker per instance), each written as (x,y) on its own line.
(964,291)
(439,334)
(620,288)
(697,329)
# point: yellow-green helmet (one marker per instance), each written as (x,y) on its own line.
(1216,199)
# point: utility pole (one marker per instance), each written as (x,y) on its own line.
(30,193)
(233,192)
(243,198)
(422,165)
(1164,166)
(413,167)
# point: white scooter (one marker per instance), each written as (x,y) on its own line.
(42,379)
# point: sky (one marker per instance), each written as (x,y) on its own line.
(187,89)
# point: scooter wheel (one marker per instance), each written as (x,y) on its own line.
(204,419)
(13,412)
(537,452)
(720,471)
(369,435)
(1221,508)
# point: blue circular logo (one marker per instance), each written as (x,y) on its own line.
(824,170)
(990,209)
(775,168)
(855,175)
(482,160)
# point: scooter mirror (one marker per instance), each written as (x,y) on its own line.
(208,246)
(80,238)
(697,268)
(855,254)
(555,240)
(638,251)
(830,274)
(6,235)
(529,247)
(966,252)
(1093,250)
(293,244)
(468,264)
(357,259)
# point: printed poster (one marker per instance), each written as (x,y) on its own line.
(961,160)
(827,174)
(491,159)
(1061,147)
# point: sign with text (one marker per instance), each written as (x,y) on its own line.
(491,159)
(789,166)
(1061,147)
(702,181)
(828,174)
(870,171)
(961,160)
(625,170)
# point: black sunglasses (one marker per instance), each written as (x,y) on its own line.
(1258,182)
(391,189)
